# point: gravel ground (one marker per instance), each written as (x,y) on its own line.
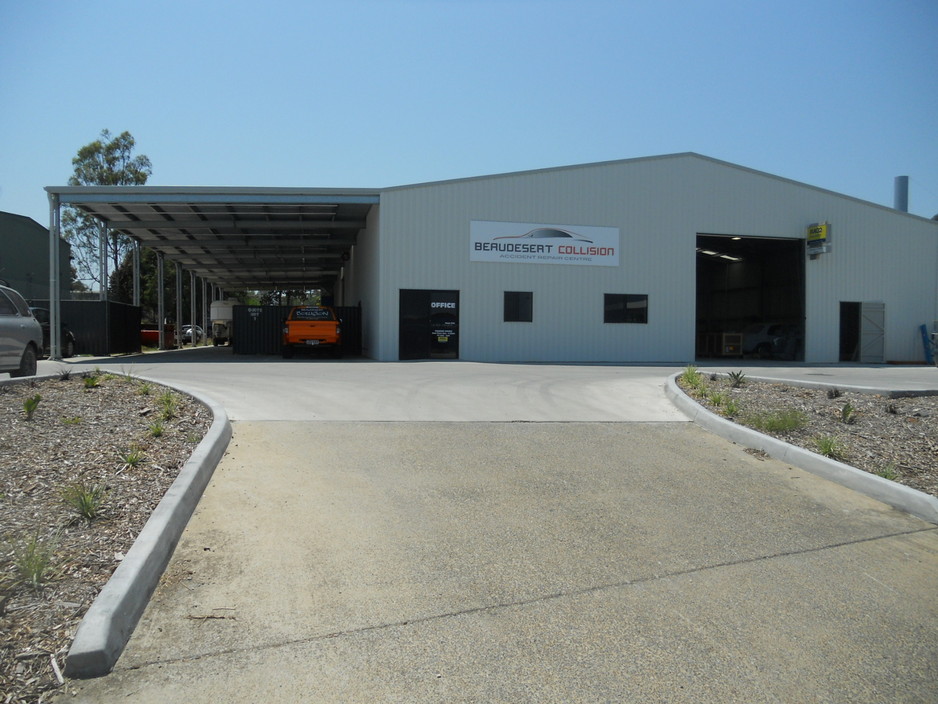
(78,436)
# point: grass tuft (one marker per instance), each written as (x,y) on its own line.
(134,456)
(889,472)
(731,408)
(830,446)
(85,499)
(169,405)
(30,405)
(848,414)
(783,421)
(32,560)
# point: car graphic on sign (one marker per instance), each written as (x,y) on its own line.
(543,233)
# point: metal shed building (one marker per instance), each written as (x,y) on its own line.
(662,259)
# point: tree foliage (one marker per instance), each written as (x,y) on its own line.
(104,162)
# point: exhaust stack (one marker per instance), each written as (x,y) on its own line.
(901,194)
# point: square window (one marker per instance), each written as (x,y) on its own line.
(625,308)
(519,306)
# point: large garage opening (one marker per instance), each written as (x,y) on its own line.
(750,297)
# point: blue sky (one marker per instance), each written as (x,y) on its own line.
(841,95)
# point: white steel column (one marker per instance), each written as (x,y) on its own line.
(178,305)
(102,259)
(160,300)
(206,323)
(54,283)
(136,299)
(192,302)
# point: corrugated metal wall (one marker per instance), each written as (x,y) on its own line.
(659,206)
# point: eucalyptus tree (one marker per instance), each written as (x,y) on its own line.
(106,161)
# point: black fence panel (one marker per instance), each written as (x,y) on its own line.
(258,329)
(100,327)
(351,317)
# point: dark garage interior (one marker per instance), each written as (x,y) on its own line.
(750,297)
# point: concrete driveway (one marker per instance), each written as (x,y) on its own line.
(268,388)
(454,557)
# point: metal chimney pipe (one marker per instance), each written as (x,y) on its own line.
(901,194)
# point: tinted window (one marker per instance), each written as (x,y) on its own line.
(625,308)
(6,305)
(519,306)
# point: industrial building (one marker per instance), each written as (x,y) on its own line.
(24,256)
(661,259)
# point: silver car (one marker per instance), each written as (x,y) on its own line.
(20,335)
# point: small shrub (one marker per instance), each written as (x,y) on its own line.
(892,408)
(91,381)
(134,456)
(32,560)
(830,446)
(65,374)
(30,405)
(716,398)
(848,414)
(783,421)
(833,393)
(157,428)
(731,407)
(692,377)
(145,388)
(85,499)
(737,379)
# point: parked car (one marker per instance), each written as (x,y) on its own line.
(187,333)
(66,336)
(20,335)
(766,340)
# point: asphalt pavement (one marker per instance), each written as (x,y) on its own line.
(436,532)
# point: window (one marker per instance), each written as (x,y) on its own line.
(6,305)
(519,306)
(625,308)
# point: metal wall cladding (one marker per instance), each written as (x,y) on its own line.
(659,205)
(258,329)
(100,327)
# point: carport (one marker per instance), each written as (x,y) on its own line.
(229,238)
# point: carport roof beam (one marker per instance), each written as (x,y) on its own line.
(287,237)
(75,195)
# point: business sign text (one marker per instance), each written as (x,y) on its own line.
(531,243)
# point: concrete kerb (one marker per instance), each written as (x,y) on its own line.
(112,617)
(897,495)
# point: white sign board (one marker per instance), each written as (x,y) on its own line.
(531,243)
